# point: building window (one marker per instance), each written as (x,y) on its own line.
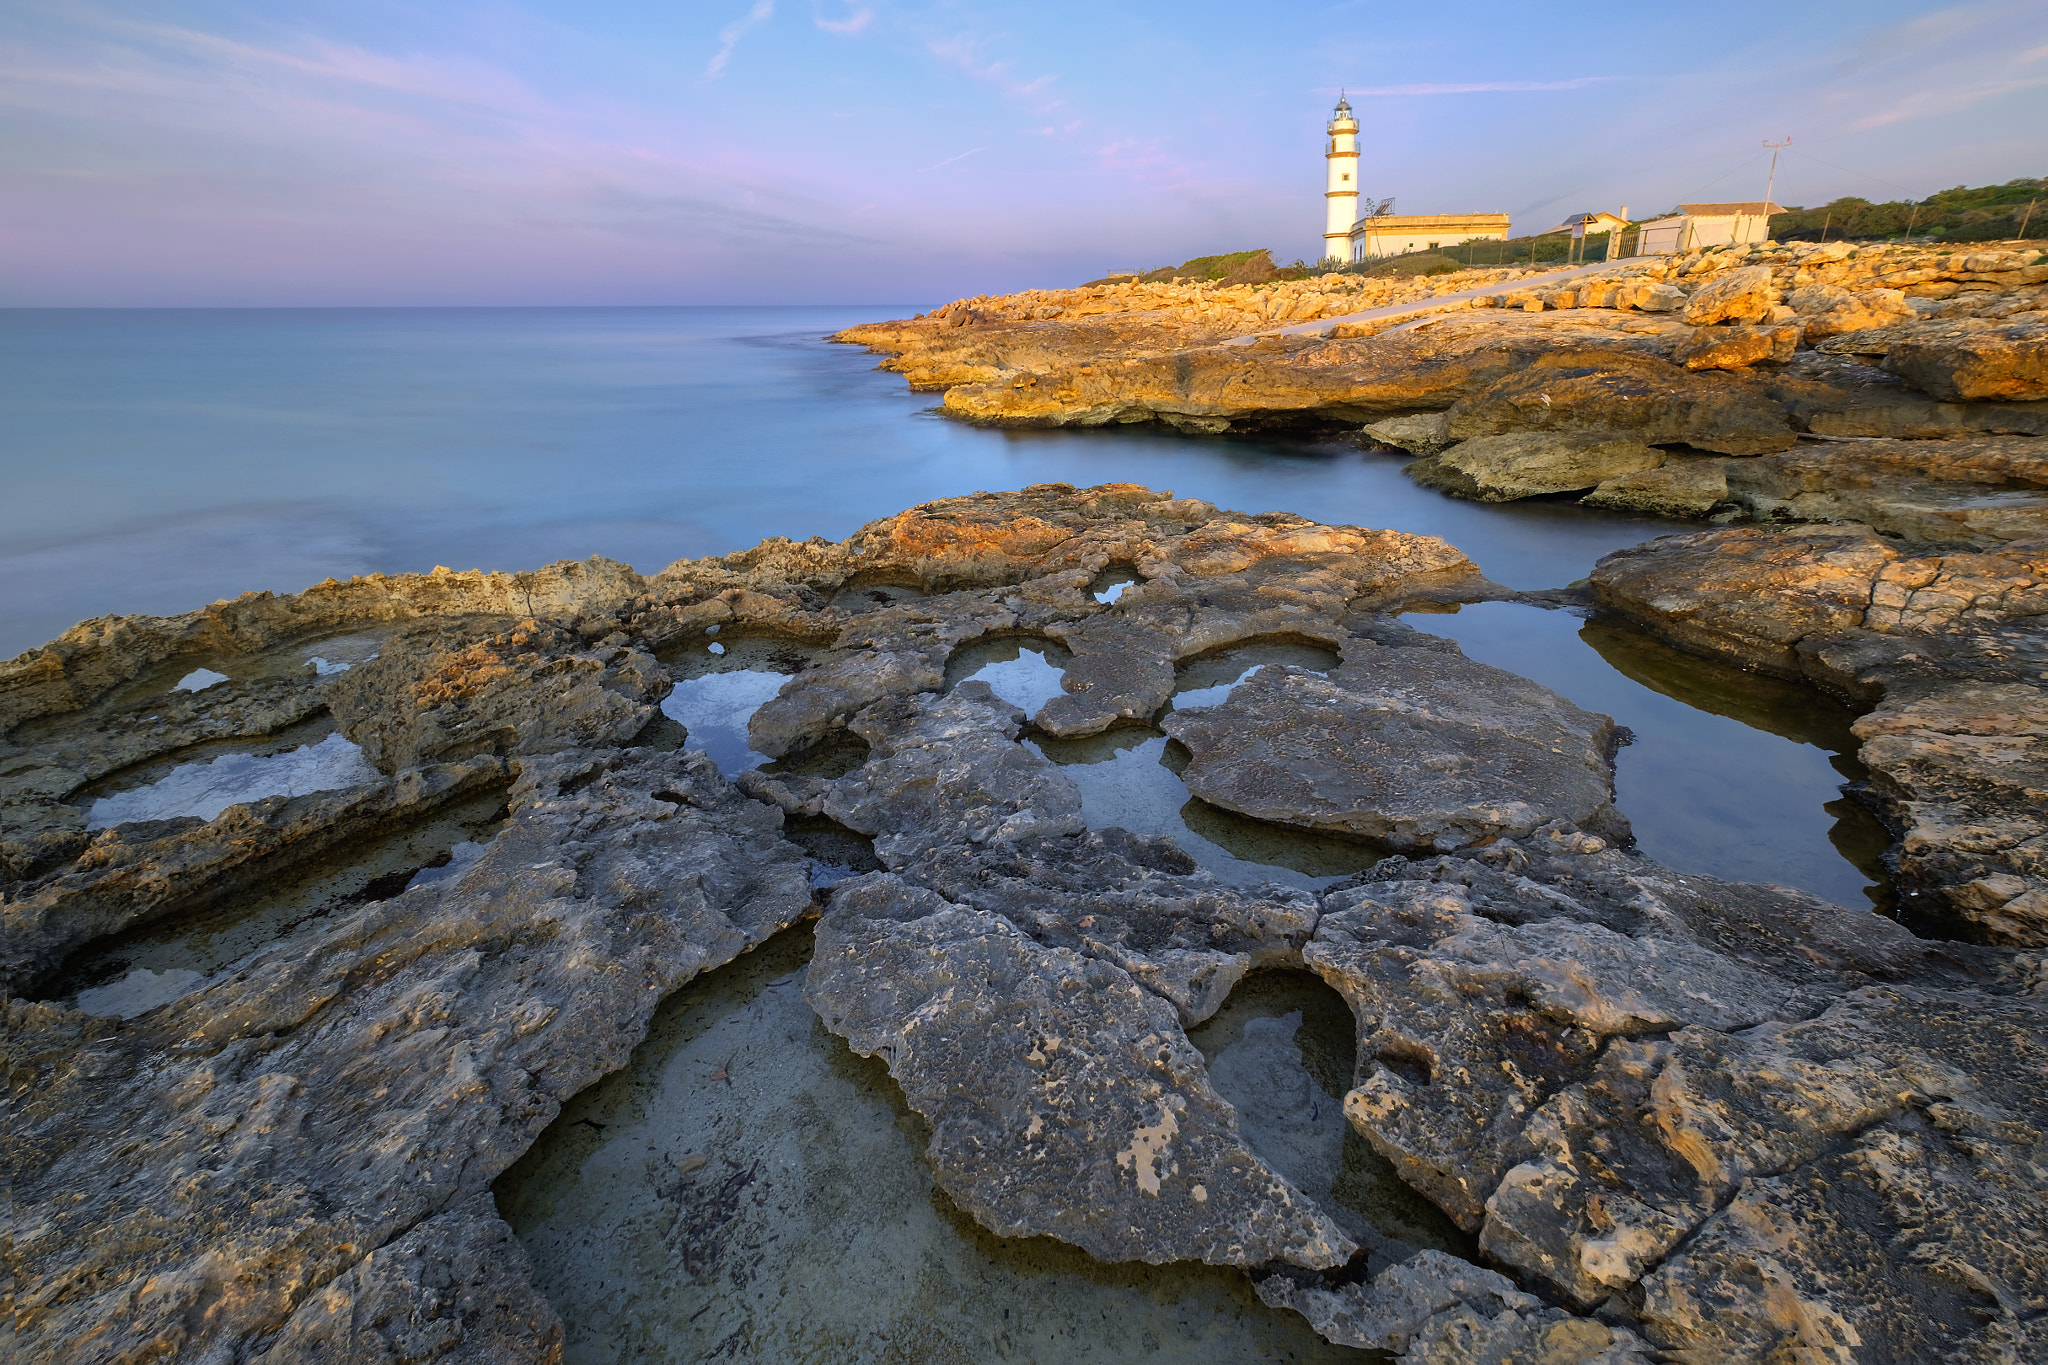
(1347,176)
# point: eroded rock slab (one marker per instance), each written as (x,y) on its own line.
(1999,363)
(1467,1023)
(1531,464)
(942,771)
(1982,491)
(433,695)
(1950,647)
(1602,1066)
(1734,1122)
(1436,1307)
(1063,1098)
(1660,1138)
(1413,748)
(285,1130)
(138,873)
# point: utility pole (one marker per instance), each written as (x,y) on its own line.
(1772,183)
(2029,217)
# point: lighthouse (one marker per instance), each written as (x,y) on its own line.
(1342,198)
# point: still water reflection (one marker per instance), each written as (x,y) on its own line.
(1732,774)
(157,460)
(749,1189)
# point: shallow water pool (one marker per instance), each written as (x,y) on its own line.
(205,789)
(1732,774)
(749,1189)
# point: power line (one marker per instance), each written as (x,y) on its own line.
(1772,183)
(1860,174)
(1752,157)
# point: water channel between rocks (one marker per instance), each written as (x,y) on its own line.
(1130,776)
(749,1189)
(128,973)
(1731,774)
(719,684)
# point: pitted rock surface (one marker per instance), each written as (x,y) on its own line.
(1478,994)
(328,1098)
(1140,904)
(1653,1147)
(1063,1098)
(432,696)
(1951,645)
(1610,1070)
(941,771)
(1409,747)
(1437,1307)
(1732,1122)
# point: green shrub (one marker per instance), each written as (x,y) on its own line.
(1984,214)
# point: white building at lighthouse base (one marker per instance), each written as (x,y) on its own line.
(1398,234)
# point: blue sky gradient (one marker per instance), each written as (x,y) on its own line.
(766,151)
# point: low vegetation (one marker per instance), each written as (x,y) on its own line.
(1234,267)
(1988,213)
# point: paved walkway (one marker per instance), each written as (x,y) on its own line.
(1402,310)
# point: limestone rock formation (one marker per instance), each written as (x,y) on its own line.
(1423,434)
(1904,1081)
(1973,490)
(1690,1119)
(1737,348)
(1407,747)
(435,693)
(1540,1092)
(1744,294)
(1437,1307)
(1688,354)
(299,1119)
(138,873)
(939,772)
(1651,400)
(1062,1097)
(1678,488)
(1951,647)
(2002,363)
(1530,464)
(1832,312)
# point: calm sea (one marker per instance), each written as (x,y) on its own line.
(158,460)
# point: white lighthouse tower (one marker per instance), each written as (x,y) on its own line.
(1342,198)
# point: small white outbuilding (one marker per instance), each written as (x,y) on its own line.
(1707,225)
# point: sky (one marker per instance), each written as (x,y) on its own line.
(561,152)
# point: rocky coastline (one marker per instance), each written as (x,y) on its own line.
(1678,1119)
(1890,385)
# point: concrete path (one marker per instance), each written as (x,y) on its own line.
(1402,310)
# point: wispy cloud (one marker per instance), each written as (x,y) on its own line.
(276,141)
(851,24)
(951,159)
(1946,87)
(963,53)
(1484,87)
(729,36)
